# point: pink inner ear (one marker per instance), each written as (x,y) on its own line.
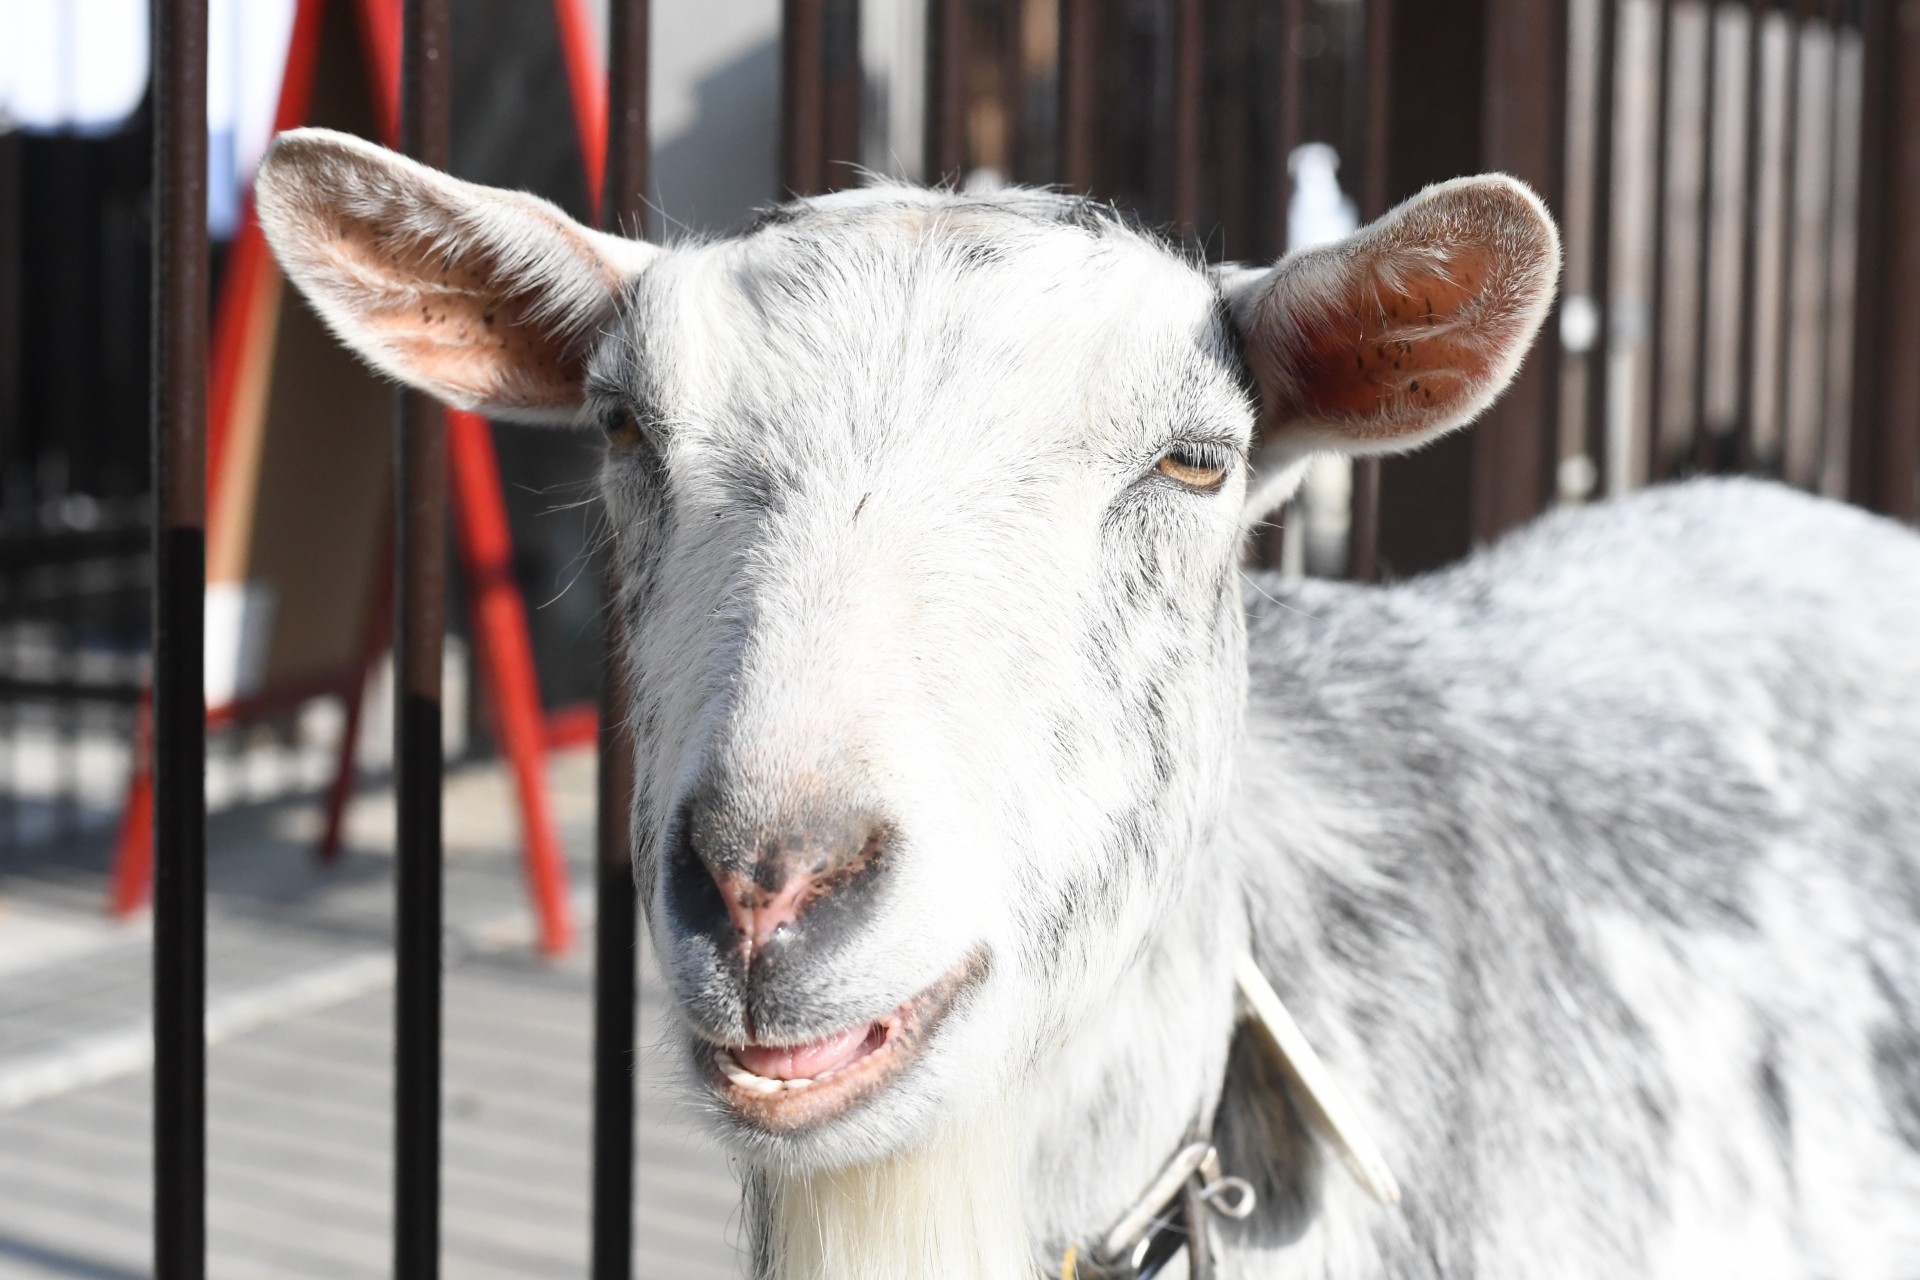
(1401,348)
(443,316)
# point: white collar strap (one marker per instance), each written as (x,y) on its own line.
(1327,1108)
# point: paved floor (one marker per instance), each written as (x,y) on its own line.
(299,1080)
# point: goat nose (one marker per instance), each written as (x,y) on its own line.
(775,877)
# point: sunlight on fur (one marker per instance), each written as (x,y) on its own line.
(949,1207)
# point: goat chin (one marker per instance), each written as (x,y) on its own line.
(950,1207)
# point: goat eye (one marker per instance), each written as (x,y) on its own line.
(622,428)
(1197,466)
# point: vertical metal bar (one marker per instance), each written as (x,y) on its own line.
(842,93)
(1659,459)
(1516,446)
(12,428)
(1268,200)
(179,417)
(1234,161)
(1079,94)
(13,452)
(1747,313)
(420,612)
(623,204)
(1703,434)
(1789,207)
(1189,72)
(1885,450)
(1600,284)
(1363,558)
(614,990)
(946,91)
(1869,303)
(1830,432)
(69,620)
(623,196)
(1289,134)
(1013,90)
(802,117)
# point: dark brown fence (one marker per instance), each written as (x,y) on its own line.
(1742,292)
(1729,178)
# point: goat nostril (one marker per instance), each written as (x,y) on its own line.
(758,913)
(694,895)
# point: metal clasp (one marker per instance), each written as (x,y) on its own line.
(1176,1211)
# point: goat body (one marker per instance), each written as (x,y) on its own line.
(1590,864)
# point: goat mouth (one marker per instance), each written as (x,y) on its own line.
(793,1087)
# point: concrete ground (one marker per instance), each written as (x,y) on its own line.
(300,1009)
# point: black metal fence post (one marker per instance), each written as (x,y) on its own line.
(1516,444)
(1363,556)
(1788,175)
(802,98)
(1884,451)
(1658,454)
(622,207)
(1747,311)
(1701,392)
(1189,119)
(420,610)
(1079,93)
(821,82)
(947,32)
(179,686)
(1600,281)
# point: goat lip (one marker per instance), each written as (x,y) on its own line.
(805,1086)
(801,1062)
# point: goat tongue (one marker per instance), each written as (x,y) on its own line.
(805,1061)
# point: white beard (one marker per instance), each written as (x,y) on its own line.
(949,1209)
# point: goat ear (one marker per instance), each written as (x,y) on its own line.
(489,300)
(1403,331)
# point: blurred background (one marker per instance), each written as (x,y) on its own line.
(1741,293)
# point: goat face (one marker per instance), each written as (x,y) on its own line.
(927,522)
(926,512)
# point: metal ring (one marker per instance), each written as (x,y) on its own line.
(1214,1196)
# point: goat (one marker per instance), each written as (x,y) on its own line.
(981,793)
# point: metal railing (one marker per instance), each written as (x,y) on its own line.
(1800,361)
(179,711)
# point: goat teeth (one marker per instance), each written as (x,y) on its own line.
(799,1082)
(730,1067)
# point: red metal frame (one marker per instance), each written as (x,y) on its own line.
(504,653)
(587,87)
(379,633)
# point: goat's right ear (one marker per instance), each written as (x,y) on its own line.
(489,300)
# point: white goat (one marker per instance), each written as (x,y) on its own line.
(970,776)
